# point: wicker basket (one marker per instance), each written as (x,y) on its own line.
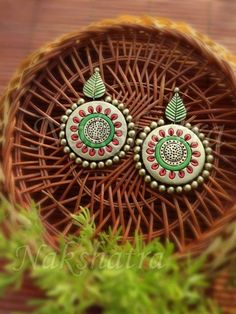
(141,60)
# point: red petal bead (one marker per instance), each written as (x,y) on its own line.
(151,158)
(179,132)
(79,144)
(107,111)
(92,152)
(155,138)
(190,169)
(73,128)
(151,144)
(90,109)
(172,175)
(109,148)
(119,133)
(84,149)
(150,151)
(76,120)
(74,137)
(162,133)
(194,162)
(101,151)
(82,113)
(115,141)
(194,144)
(99,108)
(162,172)
(171,131)
(181,174)
(155,166)
(196,153)
(117,124)
(114,116)
(187,137)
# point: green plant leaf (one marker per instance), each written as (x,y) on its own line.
(94,87)
(175,110)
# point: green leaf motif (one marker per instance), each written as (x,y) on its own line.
(175,110)
(94,87)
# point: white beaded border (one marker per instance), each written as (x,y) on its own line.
(162,187)
(108,162)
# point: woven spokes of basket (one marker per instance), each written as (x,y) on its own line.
(141,61)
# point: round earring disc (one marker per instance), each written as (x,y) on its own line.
(173,154)
(96,130)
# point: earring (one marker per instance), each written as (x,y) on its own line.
(96,133)
(173,157)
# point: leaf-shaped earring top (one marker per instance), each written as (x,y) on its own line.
(175,110)
(94,86)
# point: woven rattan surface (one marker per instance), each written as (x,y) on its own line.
(141,61)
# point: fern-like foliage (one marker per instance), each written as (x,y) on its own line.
(94,87)
(175,110)
(99,274)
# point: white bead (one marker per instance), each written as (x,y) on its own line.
(80,101)
(147,178)
(205,143)
(62,134)
(116,159)
(195,129)
(122,154)
(201,136)
(147,129)
(126,148)
(154,184)
(179,189)
(85,163)
(64,118)
(187,188)
(153,125)
(136,157)
(138,165)
(210,158)
(78,160)
(108,162)
(63,142)
(66,149)
(162,188)
(72,156)
(208,166)
(108,99)
(200,179)
(93,165)
(126,112)
(115,102)
(131,133)
(194,184)
(101,164)
(130,141)
(131,125)
(137,149)
(142,135)
(170,189)
(121,106)
(161,122)
(205,173)
(142,172)
(68,112)
(74,106)
(62,126)
(129,118)
(176,90)
(139,141)
(208,150)
(188,125)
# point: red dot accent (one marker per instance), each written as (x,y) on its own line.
(99,108)
(84,149)
(92,152)
(76,120)
(196,153)
(73,128)
(179,132)
(150,151)
(171,175)
(171,131)
(79,144)
(190,169)
(107,111)
(194,144)
(117,124)
(115,141)
(82,113)
(101,151)
(155,138)
(194,162)
(151,158)
(155,166)
(114,116)
(162,172)
(181,174)
(74,137)
(109,148)
(187,137)
(90,109)
(119,133)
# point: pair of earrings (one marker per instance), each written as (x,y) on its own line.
(170,157)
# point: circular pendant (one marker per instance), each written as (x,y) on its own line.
(173,157)
(97,131)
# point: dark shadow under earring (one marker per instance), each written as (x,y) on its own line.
(96,133)
(173,157)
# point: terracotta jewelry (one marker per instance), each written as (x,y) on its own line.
(173,157)
(96,133)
